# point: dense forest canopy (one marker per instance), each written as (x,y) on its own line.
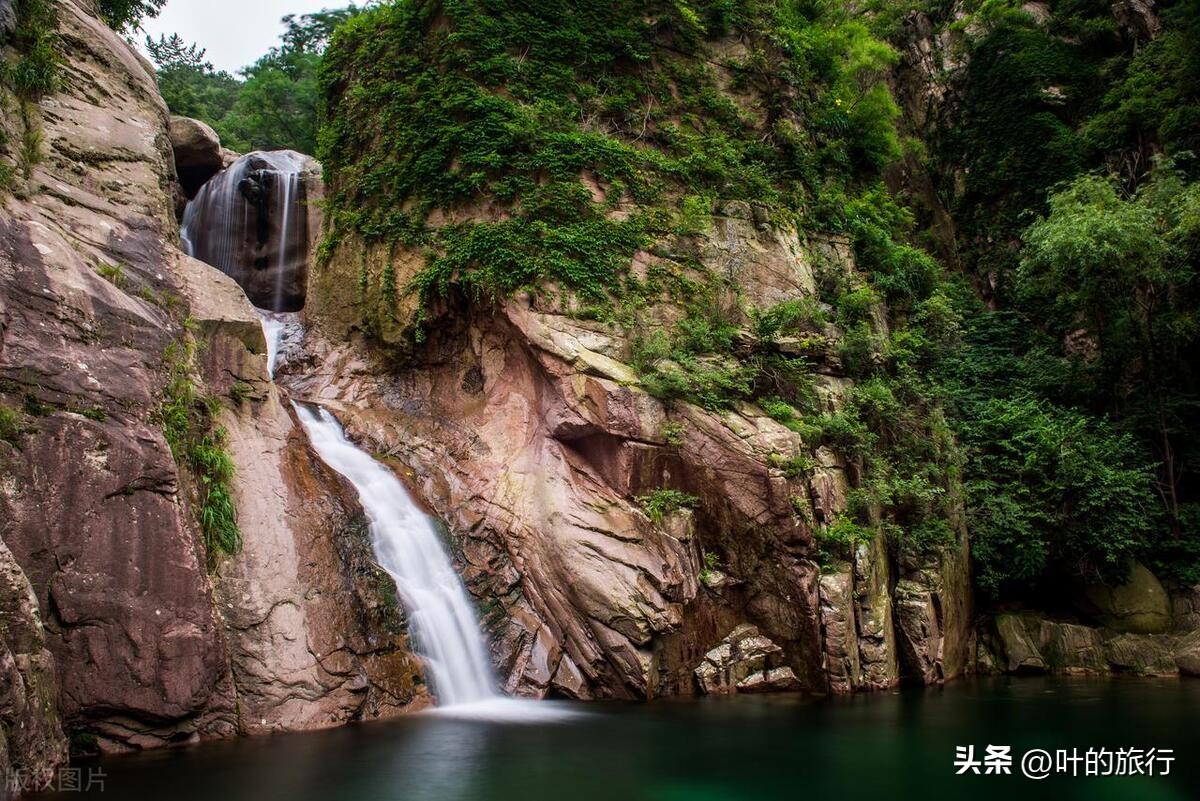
(1038,373)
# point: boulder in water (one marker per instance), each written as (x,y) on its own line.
(1140,605)
(745,661)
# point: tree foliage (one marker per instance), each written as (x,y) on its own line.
(435,105)
(276,102)
(192,88)
(1045,397)
(127,15)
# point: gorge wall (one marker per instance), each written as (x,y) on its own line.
(528,432)
(117,632)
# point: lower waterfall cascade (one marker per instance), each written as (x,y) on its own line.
(407,547)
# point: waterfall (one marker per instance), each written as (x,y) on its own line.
(288,182)
(407,546)
(273,325)
(250,222)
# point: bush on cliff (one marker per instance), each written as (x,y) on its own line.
(198,444)
(126,15)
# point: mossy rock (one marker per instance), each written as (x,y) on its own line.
(1138,606)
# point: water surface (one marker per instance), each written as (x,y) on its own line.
(879,747)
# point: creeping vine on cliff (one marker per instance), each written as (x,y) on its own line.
(555,139)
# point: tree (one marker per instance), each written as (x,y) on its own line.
(1053,491)
(310,33)
(277,105)
(192,88)
(125,15)
(174,52)
(1114,276)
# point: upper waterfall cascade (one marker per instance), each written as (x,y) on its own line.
(251,222)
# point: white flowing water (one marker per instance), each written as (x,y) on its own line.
(407,546)
(219,211)
(273,324)
(291,189)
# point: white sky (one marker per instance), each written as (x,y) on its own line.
(235,32)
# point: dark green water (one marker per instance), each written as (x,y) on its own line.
(879,747)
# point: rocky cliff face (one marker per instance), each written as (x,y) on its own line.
(527,430)
(114,624)
(95,518)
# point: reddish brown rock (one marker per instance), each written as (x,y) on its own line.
(526,429)
(111,628)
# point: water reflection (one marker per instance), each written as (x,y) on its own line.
(876,747)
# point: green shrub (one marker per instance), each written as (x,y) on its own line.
(1053,491)
(673,433)
(695,215)
(519,103)
(661,502)
(197,443)
(715,384)
(789,317)
(783,412)
(240,391)
(113,273)
(711,563)
(857,305)
(125,15)
(11,425)
(838,540)
(35,71)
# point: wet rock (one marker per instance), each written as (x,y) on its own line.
(1140,655)
(8,18)
(737,209)
(877,615)
(31,734)
(1185,607)
(775,680)
(1139,17)
(1029,643)
(1071,648)
(933,601)
(839,630)
(197,150)
(1017,650)
(258,221)
(1187,654)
